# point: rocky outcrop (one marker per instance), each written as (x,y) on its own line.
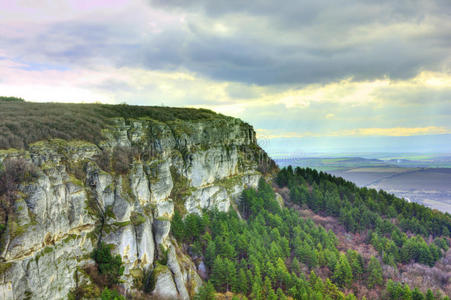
(79,200)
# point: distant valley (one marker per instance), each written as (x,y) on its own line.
(424,179)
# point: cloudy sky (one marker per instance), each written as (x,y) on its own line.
(323,75)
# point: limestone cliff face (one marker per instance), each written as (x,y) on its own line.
(61,216)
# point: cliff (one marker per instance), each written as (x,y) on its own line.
(122,191)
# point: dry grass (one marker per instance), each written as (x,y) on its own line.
(346,240)
(22,123)
(425,277)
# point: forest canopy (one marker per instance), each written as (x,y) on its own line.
(395,227)
(271,252)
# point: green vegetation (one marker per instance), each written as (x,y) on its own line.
(13,172)
(137,219)
(45,251)
(273,253)
(11,99)
(385,219)
(396,290)
(108,294)
(163,257)
(180,191)
(87,291)
(23,123)
(108,265)
(4,267)
(374,273)
(260,257)
(206,292)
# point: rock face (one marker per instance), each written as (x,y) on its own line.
(79,200)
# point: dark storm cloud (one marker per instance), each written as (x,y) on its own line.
(67,43)
(323,44)
(264,63)
(306,12)
(269,43)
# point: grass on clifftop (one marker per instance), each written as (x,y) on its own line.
(23,123)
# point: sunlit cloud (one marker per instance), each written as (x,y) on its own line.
(397,131)
(329,116)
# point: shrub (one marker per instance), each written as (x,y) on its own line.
(11,99)
(108,294)
(178,226)
(119,162)
(88,291)
(122,159)
(103,160)
(206,292)
(12,174)
(107,264)
(149,281)
(180,190)
(137,219)
(164,256)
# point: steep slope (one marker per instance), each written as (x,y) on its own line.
(121,191)
(307,247)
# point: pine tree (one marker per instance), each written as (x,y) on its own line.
(256,291)
(406,293)
(316,283)
(281,295)
(332,290)
(270,271)
(218,273)
(389,259)
(295,266)
(242,283)
(281,273)
(178,226)
(271,295)
(229,275)
(210,253)
(394,290)
(356,262)
(193,226)
(350,297)
(429,295)
(206,292)
(343,272)
(267,287)
(374,272)
(249,276)
(417,294)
